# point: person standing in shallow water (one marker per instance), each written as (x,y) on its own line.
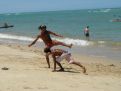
(86,33)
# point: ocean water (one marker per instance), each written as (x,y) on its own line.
(104,33)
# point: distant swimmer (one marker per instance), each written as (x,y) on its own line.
(116,19)
(86,33)
(6,26)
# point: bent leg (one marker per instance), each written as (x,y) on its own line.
(79,64)
(55,62)
(61,68)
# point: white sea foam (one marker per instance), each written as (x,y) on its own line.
(77,42)
(15,37)
(101,42)
(105,10)
(100,10)
(8,14)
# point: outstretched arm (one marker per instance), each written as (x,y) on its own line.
(34,41)
(55,34)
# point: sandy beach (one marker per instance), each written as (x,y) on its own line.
(27,71)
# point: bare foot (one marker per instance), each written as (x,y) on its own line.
(54,70)
(60,70)
(84,71)
(70,46)
(29,45)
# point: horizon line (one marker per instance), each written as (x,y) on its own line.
(58,10)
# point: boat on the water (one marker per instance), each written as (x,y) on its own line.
(6,26)
(116,20)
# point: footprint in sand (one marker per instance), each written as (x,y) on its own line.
(5,68)
(42,88)
(27,87)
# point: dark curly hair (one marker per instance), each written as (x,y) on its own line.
(42,26)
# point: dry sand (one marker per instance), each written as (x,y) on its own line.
(27,71)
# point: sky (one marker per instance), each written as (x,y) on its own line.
(54,5)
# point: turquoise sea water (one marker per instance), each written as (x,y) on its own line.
(70,24)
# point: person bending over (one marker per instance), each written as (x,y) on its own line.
(59,55)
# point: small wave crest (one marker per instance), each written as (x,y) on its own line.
(100,10)
(15,37)
(77,42)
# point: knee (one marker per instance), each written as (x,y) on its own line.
(71,62)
